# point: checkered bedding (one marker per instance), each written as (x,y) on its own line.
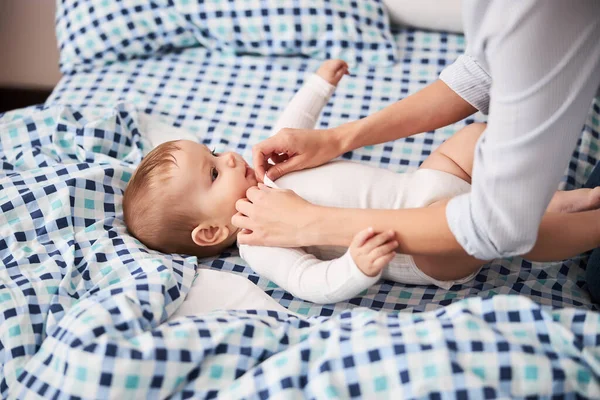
(83,303)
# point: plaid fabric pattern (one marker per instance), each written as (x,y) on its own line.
(81,302)
(232,103)
(356,31)
(97,32)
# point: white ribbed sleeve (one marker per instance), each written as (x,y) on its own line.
(305,276)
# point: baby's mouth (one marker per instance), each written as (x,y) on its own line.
(249,172)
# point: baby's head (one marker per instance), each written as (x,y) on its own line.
(182,196)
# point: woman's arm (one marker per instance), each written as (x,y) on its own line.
(281,218)
(434,106)
(424,231)
(545,64)
(419,231)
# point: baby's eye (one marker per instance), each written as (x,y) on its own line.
(214,174)
(214,153)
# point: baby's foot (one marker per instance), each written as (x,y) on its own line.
(575,200)
(333,70)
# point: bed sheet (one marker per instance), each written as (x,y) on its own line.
(232,102)
(84,306)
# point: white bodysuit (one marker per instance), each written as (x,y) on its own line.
(325,274)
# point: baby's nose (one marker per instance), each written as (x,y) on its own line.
(231,159)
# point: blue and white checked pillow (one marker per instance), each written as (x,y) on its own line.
(96,32)
(356,31)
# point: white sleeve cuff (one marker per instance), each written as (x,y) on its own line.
(456,212)
(320,85)
(470,81)
(356,281)
(459,214)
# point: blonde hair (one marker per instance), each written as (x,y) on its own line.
(153,215)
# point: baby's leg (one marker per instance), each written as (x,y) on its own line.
(445,268)
(560,237)
(455,156)
(303,110)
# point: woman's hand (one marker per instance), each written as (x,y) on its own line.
(273,217)
(294,150)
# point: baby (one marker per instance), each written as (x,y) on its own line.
(182,197)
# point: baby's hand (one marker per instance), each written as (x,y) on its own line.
(333,70)
(372,252)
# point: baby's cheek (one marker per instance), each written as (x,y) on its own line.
(243,189)
(240,194)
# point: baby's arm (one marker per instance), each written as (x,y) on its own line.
(307,277)
(303,110)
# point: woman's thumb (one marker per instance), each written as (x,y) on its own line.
(278,170)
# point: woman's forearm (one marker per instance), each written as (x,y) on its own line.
(424,231)
(418,230)
(430,108)
(567,235)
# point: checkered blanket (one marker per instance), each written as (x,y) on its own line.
(83,303)
(232,103)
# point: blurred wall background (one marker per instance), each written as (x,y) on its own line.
(28,52)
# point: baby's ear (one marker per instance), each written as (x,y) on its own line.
(206,234)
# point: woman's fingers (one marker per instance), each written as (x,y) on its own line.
(292,164)
(242,221)
(261,153)
(245,237)
(253,194)
(260,164)
(279,158)
(277,148)
(244,207)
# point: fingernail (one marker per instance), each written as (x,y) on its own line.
(370,229)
